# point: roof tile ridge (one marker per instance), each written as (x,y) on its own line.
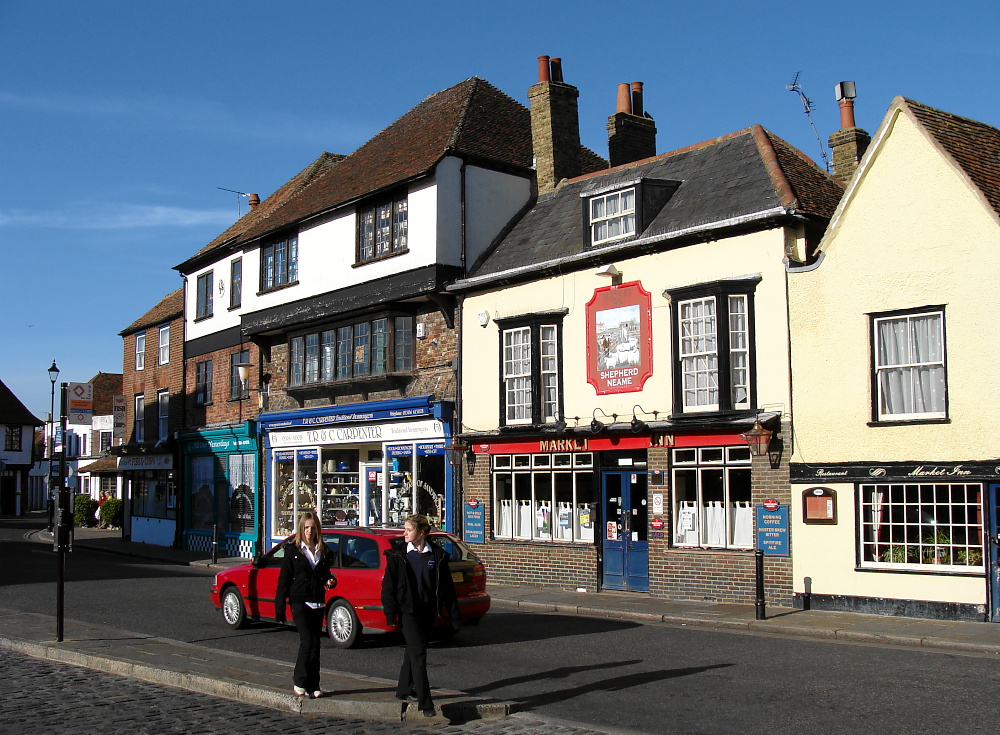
(782,186)
(660,156)
(463,115)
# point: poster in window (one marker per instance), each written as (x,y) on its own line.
(619,338)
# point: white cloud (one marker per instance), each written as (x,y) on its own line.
(205,117)
(118,217)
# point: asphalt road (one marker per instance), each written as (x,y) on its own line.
(608,674)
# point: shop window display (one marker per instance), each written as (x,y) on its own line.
(544,497)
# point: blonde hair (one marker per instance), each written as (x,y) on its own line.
(420,523)
(308,515)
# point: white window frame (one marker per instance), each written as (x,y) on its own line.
(612,216)
(929,395)
(710,523)
(699,358)
(163,353)
(140,351)
(530,370)
(163,413)
(139,418)
(517,375)
(526,497)
(927,527)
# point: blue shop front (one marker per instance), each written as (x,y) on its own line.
(370,463)
(221,467)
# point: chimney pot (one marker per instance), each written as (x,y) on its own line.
(624,99)
(543,69)
(637,98)
(847,113)
(254,201)
(557,75)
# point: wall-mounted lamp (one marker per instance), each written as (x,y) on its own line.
(596,425)
(456,451)
(243,369)
(757,438)
(637,424)
(609,271)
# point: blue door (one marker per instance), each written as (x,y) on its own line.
(993,545)
(626,546)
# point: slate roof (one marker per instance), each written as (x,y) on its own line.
(12,411)
(975,146)
(472,119)
(169,307)
(725,180)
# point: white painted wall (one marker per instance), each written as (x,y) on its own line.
(327,246)
(913,233)
(755,253)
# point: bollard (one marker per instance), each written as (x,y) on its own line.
(759,604)
(215,544)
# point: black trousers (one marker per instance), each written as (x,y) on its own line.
(413,673)
(309,624)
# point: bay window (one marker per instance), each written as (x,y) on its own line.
(373,347)
(531,365)
(909,354)
(713,346)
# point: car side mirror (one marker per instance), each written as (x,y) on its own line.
(257,562)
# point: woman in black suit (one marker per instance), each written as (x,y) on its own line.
(305,577)
(417,586)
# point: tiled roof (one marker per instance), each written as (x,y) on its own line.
(170,307)
(975,146)
(12,411)
(104,464)
(472,119)
(268,206)
(726,179)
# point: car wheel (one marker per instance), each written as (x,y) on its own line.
(342,624)
(234,612)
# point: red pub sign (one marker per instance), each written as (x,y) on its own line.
(619,338)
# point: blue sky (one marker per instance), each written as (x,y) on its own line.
(120,120)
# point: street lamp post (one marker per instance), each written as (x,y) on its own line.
(51,503)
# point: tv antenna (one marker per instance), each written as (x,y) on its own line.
(239,203)
(807,105)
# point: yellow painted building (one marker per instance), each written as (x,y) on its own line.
(895,459)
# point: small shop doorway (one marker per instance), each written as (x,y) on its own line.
(626,546)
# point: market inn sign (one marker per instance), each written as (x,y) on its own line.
(898,471)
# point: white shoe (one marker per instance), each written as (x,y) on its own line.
(299,691)
(316,695)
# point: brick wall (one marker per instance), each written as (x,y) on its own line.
(675,573)
(152,379)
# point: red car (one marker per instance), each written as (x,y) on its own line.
(354,605)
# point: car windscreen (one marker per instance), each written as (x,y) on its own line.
(455,549)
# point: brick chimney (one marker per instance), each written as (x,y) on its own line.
(850,142)
(555,125)
(631,135)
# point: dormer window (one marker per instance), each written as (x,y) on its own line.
(383,228)
(612,216)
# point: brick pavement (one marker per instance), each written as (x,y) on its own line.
(43,696)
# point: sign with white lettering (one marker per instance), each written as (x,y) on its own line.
(118,411)
(772,530)
(365,433)
(619,338)
(81,403)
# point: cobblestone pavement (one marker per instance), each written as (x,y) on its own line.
(45,697)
